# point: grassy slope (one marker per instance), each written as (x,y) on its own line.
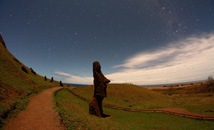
(15,84)
(193,98)
(129,96)
(75,116)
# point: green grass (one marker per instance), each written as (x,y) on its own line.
(136,97)
(75,115)
(128,96)
(196,103)
(194,98)
(16,85)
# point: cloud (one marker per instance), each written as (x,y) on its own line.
(189,59)
(72,78)
(175,53)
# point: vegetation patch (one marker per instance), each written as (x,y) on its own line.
(128,96)
(136,97)
(76,115)
(16,85)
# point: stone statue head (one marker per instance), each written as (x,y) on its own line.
(100,80)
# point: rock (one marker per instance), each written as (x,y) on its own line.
(2,41)
(100,85)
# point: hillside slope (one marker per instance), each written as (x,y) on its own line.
(17,81)
(128,96)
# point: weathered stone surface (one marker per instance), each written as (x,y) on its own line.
(95,106)
(100,81)
(100,85)
(2,41)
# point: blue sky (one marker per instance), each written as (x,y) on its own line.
(140,42)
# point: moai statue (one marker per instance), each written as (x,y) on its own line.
(100,85)
(51,79)
(45,78)
(31,69)
(60,83)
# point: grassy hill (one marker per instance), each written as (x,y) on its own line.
(17,82)
(75,114)
(128,96)
(136,97)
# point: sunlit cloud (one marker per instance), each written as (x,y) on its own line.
(72,78)
(189,59)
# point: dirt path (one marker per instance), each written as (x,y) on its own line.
(38,115)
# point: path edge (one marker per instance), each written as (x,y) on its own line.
(57,106)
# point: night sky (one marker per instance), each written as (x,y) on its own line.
(143,42)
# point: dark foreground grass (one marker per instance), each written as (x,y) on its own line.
(74,112)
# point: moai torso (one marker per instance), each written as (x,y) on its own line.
(100,80)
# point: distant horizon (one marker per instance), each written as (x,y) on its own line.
(151,85)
